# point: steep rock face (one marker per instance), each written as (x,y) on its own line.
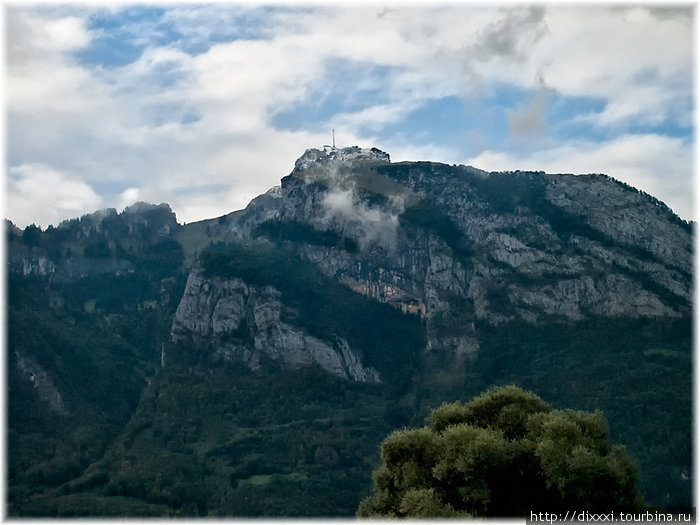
(341,191)
(457,245)
(434,239)
(520,229)
(31,372)
(313,158)
(244,323)
(624,214)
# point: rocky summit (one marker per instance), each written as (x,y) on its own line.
(153,363)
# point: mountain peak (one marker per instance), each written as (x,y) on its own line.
(314,157)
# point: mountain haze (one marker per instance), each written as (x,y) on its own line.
(250,364)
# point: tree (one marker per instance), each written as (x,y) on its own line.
(503,454)
(31,235)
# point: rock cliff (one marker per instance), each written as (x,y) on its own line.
(243,323)
(104,242)
(454,245)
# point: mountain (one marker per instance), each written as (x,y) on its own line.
(250,364)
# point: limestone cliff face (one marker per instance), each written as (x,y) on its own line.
(243,323)
(31,372)
(538,245)
(457,246)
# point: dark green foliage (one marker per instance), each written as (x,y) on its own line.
(507,409)
(100,235)
(104,374)
(87,346)
(425,214)
(566,224)
(389,340)
(639,372)
(230,442)
(97,249)
(162,258)
(302,232)
(350,245)
(31,235)
(505,192)
(504,453)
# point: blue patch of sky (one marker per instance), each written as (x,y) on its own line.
(668,127)
(467,125)
(190,117)
(565,118)
(123,36)
(349,86)
(220,24)
(165,75)
(442,121)
(109,187)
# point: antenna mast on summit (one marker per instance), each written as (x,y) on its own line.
(333,138)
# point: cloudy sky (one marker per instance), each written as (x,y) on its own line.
(205,106)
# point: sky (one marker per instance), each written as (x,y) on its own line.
(205,106)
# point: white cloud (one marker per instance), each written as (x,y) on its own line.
(40,195)
(67,34)
(128,197)
(371,225)
(635,61)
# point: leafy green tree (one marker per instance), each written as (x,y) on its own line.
(505,453)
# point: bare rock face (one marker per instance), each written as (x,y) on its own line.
(244,323)
(454,245)
(537,245)
(313,157)
(33,373)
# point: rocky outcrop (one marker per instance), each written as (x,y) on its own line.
(244,323)
(314,158)
(67,269)
(624,214)
(496,247)
(103,242)
(31,372)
